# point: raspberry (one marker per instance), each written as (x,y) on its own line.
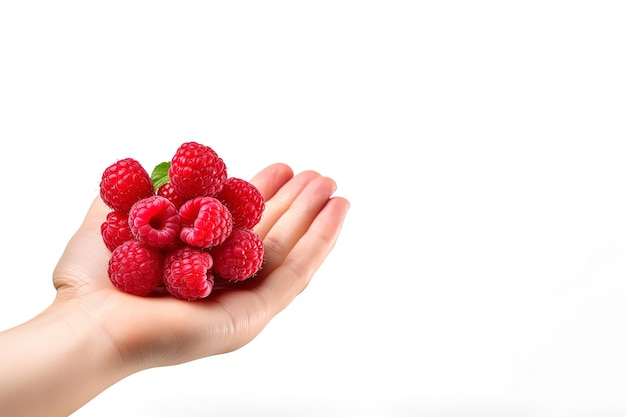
(154,221)
(205,221)
(115,230)
(135,268)
(240,256)
(124,183)
(187,273)
(196,171)
(243,200)
(181,227)
(167,191)
(175,244)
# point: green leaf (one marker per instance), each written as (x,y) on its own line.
(160,174)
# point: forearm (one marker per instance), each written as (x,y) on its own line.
(54,364)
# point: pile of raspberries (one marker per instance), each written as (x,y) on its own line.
(181,227)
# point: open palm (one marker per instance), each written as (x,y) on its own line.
(300,225)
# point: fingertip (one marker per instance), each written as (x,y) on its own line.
(343,203)
(333,183)
(339,206)
(326,185)
(283,169)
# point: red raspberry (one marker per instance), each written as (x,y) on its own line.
(154,221)
(187,273)
(124,183)
(135,268)
(167,191)
(115,230)
(240,256)
(196,170)
(205,222)
(243,200)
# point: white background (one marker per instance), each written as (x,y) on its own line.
(481,270)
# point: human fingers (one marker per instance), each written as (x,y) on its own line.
(295,221)
(292,275)
(270,179)
(281,200)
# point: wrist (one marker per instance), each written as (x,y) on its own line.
(56,361)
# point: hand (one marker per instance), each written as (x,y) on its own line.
(299,228)
(93,335)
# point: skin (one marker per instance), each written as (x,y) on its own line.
(93,335)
